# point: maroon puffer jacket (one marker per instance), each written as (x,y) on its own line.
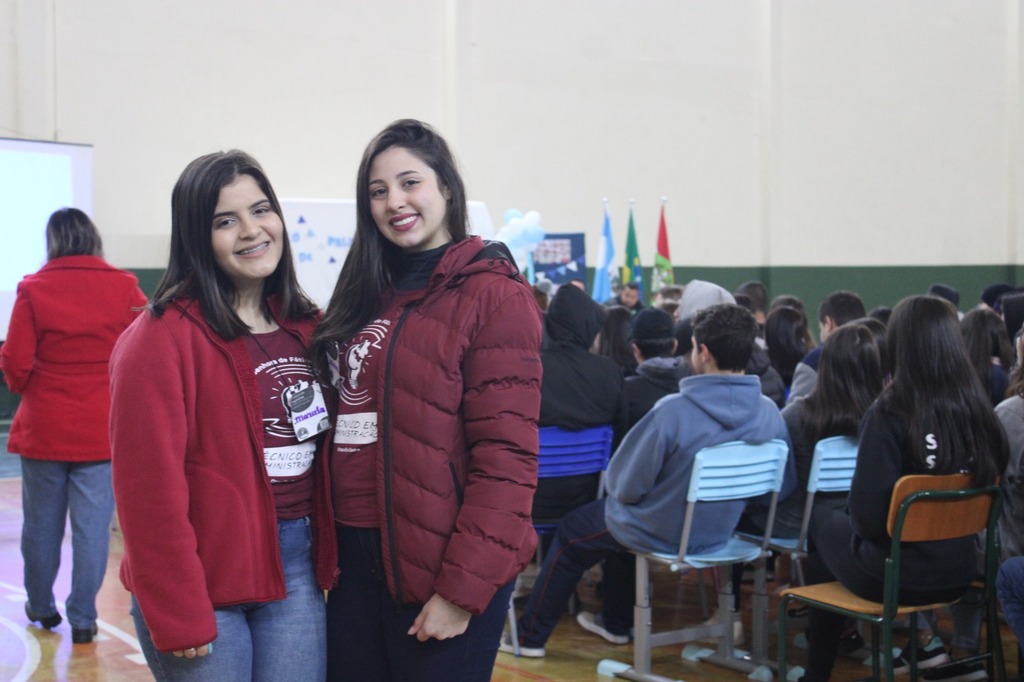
(460,396)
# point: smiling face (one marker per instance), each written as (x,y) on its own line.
(247,235)
(408,206)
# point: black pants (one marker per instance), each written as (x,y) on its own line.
(366,628)
(832,558)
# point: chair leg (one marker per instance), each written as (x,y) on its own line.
(995,641)
(642,618)
(783,626)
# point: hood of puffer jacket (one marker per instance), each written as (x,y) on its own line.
(471,256)
(573,318)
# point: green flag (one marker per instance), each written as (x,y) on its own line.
(631,271)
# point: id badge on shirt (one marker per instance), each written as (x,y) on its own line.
(305,404)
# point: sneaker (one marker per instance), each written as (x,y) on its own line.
(507,647)
(592,622)
(958,671)
(929,656)
(737,627)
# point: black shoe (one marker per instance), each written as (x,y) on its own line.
(48,622)
(929,656)
(970,670)
(84,635)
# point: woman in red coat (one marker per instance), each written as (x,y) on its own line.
(65,321)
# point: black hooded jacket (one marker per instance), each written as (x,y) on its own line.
(579,390)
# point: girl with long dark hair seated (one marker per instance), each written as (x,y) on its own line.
(933,418)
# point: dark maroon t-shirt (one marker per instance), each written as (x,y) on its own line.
(281,369)
(356,443)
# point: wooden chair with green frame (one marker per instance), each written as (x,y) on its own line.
(922,509)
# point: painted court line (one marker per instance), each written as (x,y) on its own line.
(103,626)
(32,653)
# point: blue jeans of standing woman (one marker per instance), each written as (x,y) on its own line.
(49,492)
(267,641)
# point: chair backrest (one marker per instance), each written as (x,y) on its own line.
(832,466)
(733,471)
(944,507)
(737,470)
(569,453)
(930,508)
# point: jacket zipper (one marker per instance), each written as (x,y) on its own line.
(386,442)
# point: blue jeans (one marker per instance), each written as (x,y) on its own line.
(49,491)
(1010,588)
(277,640)
(582,540)
(367,628)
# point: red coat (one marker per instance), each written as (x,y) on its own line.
(460,395)
(193,496)
(65,321)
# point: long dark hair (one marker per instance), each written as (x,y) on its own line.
(787,338)
(372,260)
(69,232)
(849,379)
(985,336)
(192,270)
(935,389)
(615,333)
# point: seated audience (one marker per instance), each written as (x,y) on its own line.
(659,371)
(947,292)
(835,310)
(788,341)
(579,390)
(757,292)
(932,419)
(613,339)
(628,297)
(698,294)
(669,292)
(991,294)
(792,302)
(670,307)
(647,480)
(988,347)
(849,380)
(882,313)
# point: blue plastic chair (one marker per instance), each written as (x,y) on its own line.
(730,471)
(572,453)
(566,453)
(831,472)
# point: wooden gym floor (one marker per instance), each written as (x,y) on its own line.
(30,653)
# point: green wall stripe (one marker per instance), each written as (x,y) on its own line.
(877,285)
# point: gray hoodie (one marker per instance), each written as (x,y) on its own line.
(649,475)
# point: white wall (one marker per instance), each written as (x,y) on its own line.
(785,132)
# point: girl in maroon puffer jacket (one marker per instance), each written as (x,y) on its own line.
(432,341)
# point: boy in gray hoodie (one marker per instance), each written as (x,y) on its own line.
(647,481)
